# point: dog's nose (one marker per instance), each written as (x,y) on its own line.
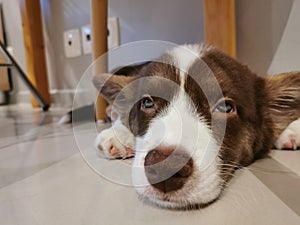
(167,170)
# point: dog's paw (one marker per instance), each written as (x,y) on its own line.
(290,137)
(116,142)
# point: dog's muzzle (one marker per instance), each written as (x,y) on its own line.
(168,169)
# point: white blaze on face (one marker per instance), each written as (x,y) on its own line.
(180,126)
(185,57)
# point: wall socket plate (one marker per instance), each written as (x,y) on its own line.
(72,43)
(86,39)
(113,40)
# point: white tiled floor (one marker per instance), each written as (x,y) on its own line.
(45,180)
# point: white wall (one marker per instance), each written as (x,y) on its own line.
(260,28)
(169,20)
(287,55)
(60,16)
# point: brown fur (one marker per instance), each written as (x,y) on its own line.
(284,99)
(264,106)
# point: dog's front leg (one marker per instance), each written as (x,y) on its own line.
(115,142)
(290,137)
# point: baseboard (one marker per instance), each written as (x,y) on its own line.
(60,98)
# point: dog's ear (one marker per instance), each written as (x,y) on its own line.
(284,99)
(110,85)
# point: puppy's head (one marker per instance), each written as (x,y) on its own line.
(197,115)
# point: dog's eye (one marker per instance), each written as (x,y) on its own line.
(147,103)
(224,107)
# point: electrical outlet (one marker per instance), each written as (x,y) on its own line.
(113,39)
(86,39)
(113,32)
(72,43)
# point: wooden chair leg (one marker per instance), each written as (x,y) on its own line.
(220,29)
(99,36)
(35,48)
